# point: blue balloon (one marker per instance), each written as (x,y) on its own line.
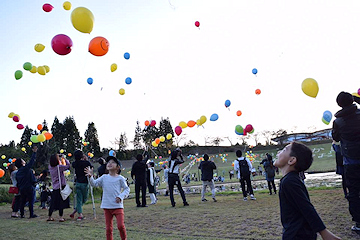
(227,103)
(238,133)
(254,71)
(327,115)
(127,55)
(10,160)
(90,81)
(128,80)
(214,117)
(112,153)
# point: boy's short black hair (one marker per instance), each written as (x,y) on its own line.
(238,153)
(78,154)
(206,157)
(18,163)
(174,154)
(139,157)
(151,164)
(303,154)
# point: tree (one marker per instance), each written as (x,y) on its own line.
(255,137)
(25,138)
(57,141)
(72,140)
(164,129)
(207,140)
(279,133)
(138,136)
(122,141)
(149,134)
(45,126)
(228,138)
(244,139)
(216,141)
(91,136)
(190,143)
(268,135)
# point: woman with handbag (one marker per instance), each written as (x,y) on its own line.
(58,182)
(14,190)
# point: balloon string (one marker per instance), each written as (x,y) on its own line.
(172,6)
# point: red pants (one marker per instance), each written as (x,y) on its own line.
(119,214)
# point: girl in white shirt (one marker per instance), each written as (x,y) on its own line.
(115,190)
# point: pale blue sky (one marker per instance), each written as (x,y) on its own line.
(179,71)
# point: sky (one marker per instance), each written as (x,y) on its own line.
(180,71)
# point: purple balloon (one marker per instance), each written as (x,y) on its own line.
(61,44)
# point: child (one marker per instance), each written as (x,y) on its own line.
(298,216)
(243,166)
(151,175)
(44,196)
(112,198)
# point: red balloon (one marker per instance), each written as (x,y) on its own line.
(99,46)
(257,91)
(178,130)
(47,7)
(152,123)
(20,126)
(61,44)
(248,128)
(197,24)
(16,118)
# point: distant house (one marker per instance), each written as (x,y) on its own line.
(304,137)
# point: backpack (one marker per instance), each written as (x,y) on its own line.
(244,168)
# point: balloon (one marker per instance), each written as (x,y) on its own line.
(33,69)
(47,69)
(324,121)
(90,81)
(61,44)
(257,91)
(127,55)
(147,123)
(122,91)
(29,143)
(183,124)
(41,70)
(178,130)
(34,139)
(99,46)
(47,7)
(214,117)
(11,115)
(168,136)
(67,6)
(27,66)
(69,154)
(227,103)
(153,143)
(39,47)
(358,91)
(41,138)
(152,123)
(203,119)
(2,172)
(162,139)
(310,87)
(252,131)
(238,113)
(157,140)
(16,118)
(239,129)
(128,80)
(198,122)
(20,126)
(113,67)
(197,24)
(191,123)
(48,135)
(62,150)
(254,71)
(18,74)
(3,156)
(23,149)
(327,115)
(82,19)
(112,153)
(248,128)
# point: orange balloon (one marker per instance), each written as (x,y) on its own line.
(39,127)
(2,172)
(232,164)
(238,113)
(191,123)
(89,154)
(48,136)
(147,123)
(69,154)
(157,140)
(257,91)
(99,46)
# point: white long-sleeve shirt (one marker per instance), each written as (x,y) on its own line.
(237,167)
(113,187)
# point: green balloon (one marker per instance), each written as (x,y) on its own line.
(5,164)
(34,139)
(18,74)
(27,66)
(239,129)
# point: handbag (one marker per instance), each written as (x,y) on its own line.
(13,190)
(65,193)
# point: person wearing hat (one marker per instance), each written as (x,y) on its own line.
(346,130)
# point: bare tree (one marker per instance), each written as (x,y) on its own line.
(243,139)
(216,141)
(228,138)
(179,138)
(121,142)
(255,137)
(207,140)
(268,135)
(312,129)
(191,143)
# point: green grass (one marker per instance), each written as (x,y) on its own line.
(229,218)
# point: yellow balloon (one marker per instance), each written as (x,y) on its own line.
(33,69)
(310,87)
(113,67)
(168,136)
(41,138)
(39,47)
(41,70)
(3,156)
(11,115)
(183,124)
(17,116)
(198,122)
(61,150)
(356,95)
(82,19)
(47,69)
(67,6)
(30,143)
(122,91)
(203,119)
(154,144)
(162,139)
(23,149)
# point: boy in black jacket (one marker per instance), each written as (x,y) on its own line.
(207,172)
(298,216)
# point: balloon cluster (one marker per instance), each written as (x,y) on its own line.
(239,130)
(85,143)
(42,70)
(42,137)
(150,123)
(161,139)
(190,124)
(90,155)
(327,115)
(16,118)
(251,156)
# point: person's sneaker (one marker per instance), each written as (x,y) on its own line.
(81,218)
(33,216)
(144,205)
(204,200)
(214,199)
(245,198)
(186,204)
(356,227)
(22,216)
(252,197)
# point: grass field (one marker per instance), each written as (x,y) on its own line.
(229,218)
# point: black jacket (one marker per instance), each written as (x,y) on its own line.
(25,177)
(207,170)
(138,171)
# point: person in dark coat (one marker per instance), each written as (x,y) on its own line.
(138,174)
(102,169)
(207,172)
(270,173)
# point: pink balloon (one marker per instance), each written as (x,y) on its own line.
(178,130)
(248,128)
(61,44)
(16,118)
(20,126)
(152,123)
(47,7)
(197,24)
